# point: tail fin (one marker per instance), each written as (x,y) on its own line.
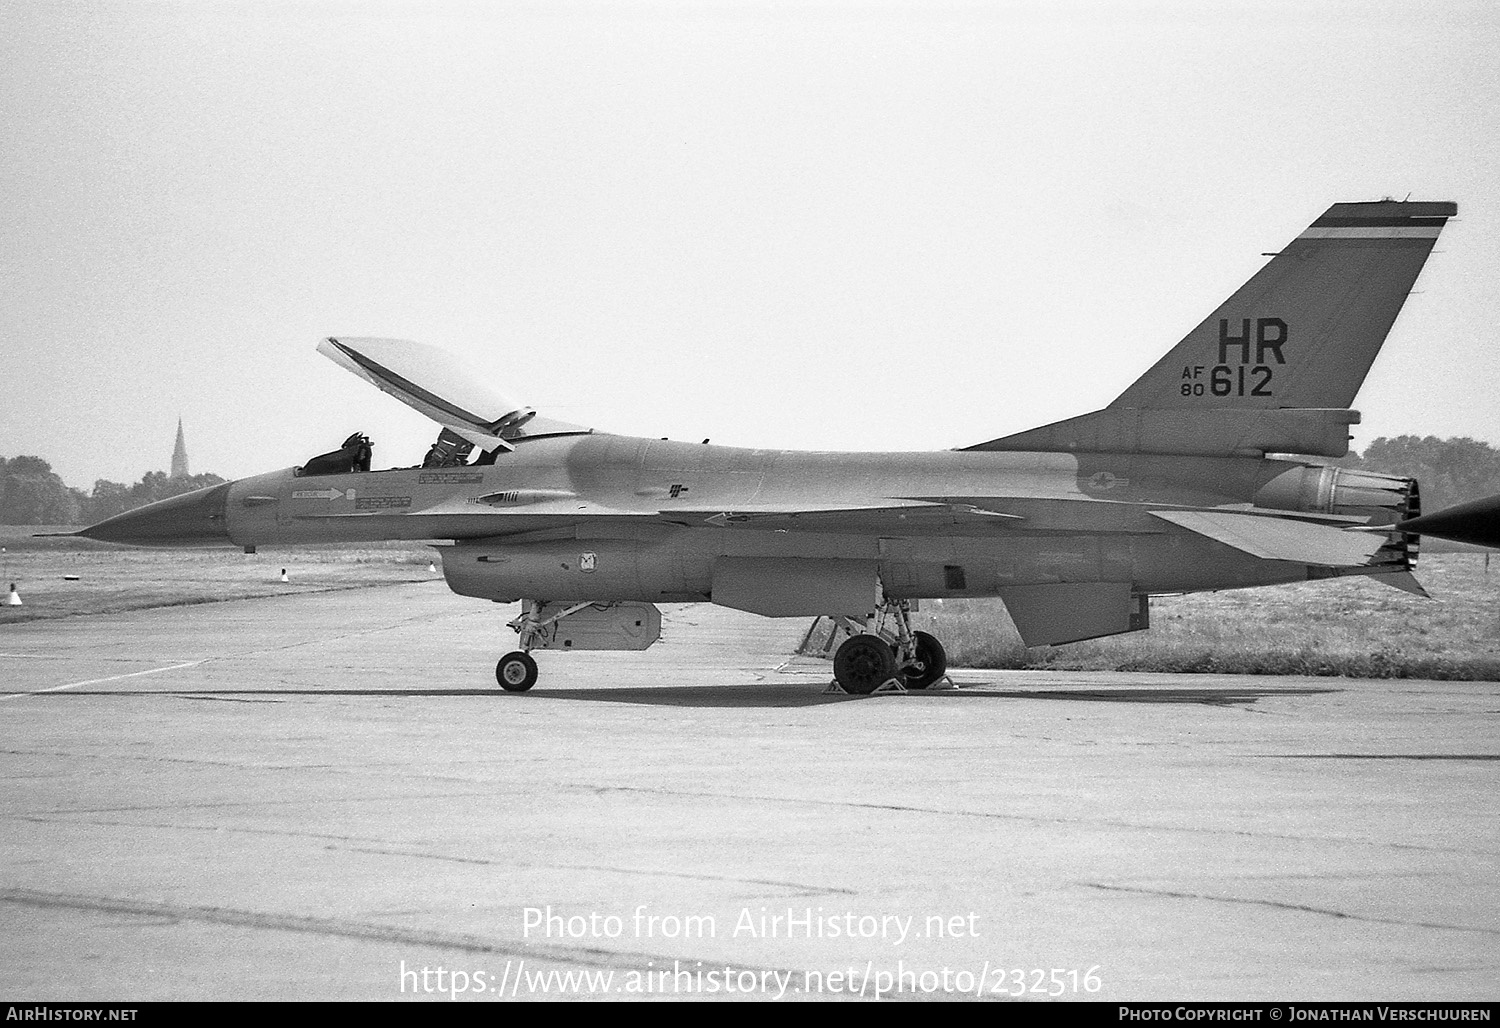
(1305,329)
(1276,366)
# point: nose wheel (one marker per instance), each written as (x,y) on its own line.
(516,672)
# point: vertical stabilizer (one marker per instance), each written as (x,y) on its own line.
(1305,329)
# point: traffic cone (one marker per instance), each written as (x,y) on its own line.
(283,575)
(15,597)
(431,567)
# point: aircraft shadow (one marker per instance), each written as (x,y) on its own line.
(748,695)
(760,695)
(1226,697)
(667,696)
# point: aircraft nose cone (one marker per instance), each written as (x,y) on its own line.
(1477,522)
(192,519)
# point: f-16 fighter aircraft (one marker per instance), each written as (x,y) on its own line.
(1172,488)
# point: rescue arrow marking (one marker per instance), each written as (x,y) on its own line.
(323,494)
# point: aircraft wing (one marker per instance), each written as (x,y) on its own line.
(879,514)
(1274,538)
(560,506)
(520,511)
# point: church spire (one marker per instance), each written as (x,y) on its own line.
(179,454)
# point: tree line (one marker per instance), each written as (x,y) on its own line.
(31,493)
(1450,471)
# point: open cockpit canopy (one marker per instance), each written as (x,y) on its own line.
(432,381)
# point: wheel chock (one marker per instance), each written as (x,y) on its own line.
(890,685)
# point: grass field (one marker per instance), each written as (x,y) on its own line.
(113,578)
(1351,627)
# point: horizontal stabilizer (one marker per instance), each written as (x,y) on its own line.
(1405,581)
(1272,538)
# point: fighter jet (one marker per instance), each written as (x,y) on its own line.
(1186,482)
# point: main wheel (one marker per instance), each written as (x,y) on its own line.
(516,672)
(863,664)
(933,658)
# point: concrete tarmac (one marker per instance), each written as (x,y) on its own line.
(325,796)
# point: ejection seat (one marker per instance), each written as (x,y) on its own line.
(354,455)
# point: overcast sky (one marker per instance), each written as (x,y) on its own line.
(804,225)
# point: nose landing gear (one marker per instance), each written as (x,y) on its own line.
(544,625)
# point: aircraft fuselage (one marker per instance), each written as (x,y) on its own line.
(653,517)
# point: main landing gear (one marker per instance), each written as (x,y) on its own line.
(892,657)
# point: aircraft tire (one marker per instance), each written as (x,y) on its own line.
(516,672)
(863,664)
(934,658)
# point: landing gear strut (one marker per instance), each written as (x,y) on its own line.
(930,657)
(517,670)
(890,656)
